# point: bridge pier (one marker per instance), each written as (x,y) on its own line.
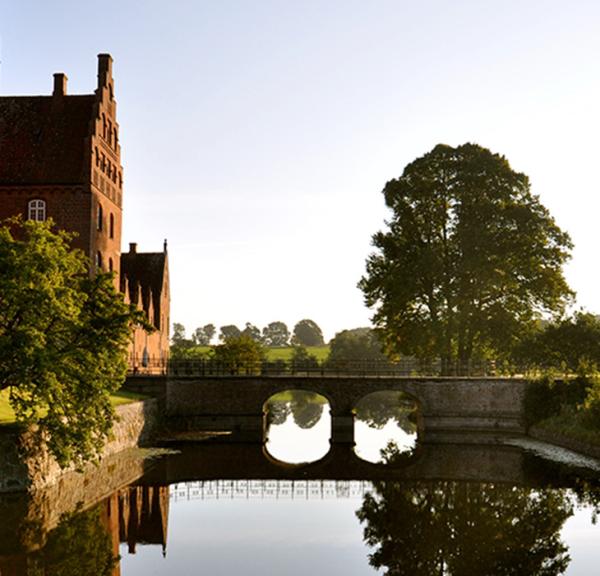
(342,429)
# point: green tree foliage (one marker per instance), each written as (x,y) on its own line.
(432,528)
(356,344)
(378,408)
(305,407)
(229,331)
(276,334)
(572,344)
(63,339)
(252,331)
(302,359)
(181,347)
(78,545)
(240,355)
(307,333)
(178,336)
(209,332)
(469,260)
(203,335)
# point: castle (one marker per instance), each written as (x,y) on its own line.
(60,158)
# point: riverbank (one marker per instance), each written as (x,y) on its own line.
(25,467)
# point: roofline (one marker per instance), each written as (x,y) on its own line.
(29,97)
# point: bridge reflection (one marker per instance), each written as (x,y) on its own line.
(270,490)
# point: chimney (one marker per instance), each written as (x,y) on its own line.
(104,68)
(132,247)
(60,84)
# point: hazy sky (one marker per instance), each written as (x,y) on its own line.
(257,135)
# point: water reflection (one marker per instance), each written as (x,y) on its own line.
(384,418)
(456,528)
(416,524)
(80,544)
(297,426)
(86,542)
(460,528)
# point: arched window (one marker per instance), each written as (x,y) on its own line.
(100,218)
(110,265)
(111,226)
(103,126)
(98,260)
(36,210)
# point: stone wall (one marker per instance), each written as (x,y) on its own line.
(135,425)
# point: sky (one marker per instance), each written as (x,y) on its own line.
(257,135)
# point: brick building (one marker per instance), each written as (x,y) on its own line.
(60,158)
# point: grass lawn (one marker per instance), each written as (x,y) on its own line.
(7,416)
(284,353)
(573,425)
(321,353)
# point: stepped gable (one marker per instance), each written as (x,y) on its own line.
(43,138)
(147,271)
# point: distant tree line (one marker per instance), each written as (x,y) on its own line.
(570,345)
(276,334)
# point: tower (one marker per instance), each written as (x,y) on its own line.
(61,159)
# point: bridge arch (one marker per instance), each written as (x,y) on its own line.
(304,440)
(483,405)
(384,417)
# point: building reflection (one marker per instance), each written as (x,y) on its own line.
(87,542)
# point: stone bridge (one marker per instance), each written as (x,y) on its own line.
(447,406)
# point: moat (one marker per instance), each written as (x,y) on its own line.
(293,507)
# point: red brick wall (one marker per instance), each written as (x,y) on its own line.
(68,206)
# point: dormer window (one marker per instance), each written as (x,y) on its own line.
(36,210)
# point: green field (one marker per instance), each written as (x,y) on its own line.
(285,353)
(321,353)
(7,416)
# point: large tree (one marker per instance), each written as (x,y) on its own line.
(63,339)
(203,335)
(356,344)
(239,355)
(469,259)
(229,331)
(276,334)
(307,333)
(572,344)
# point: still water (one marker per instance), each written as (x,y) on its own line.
(388,506)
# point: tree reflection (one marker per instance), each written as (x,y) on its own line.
(305,407)
(459,528)
(379,408)
(79,545)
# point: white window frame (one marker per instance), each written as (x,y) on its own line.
(36,210)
